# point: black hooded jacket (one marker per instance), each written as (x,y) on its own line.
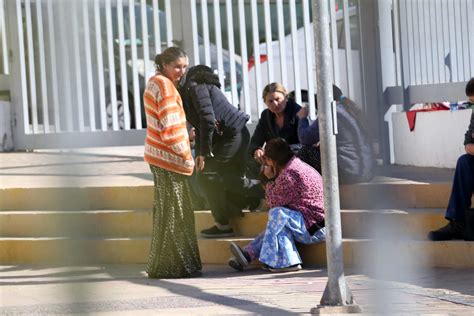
(208,110)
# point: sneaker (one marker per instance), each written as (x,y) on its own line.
(292,268)
(452,230)
(239,254)
(235,264)
(215,232)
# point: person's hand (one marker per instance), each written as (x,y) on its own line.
(469,148)
(200,163)
(258,155)
(269,171)
(303,113)
(192,134)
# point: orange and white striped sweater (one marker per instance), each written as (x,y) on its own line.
(167,141)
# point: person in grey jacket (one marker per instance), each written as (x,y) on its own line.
(221,146)
(462,189)
(355,159)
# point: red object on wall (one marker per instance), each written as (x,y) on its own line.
(411,115)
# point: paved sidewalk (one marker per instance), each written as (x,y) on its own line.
(125,290)
(92,167)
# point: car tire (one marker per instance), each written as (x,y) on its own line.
(120,111)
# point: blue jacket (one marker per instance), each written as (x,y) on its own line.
(355,157)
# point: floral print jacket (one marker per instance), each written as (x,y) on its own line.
(300,188)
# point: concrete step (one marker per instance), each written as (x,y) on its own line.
(410,223)
(77,198)
(401,223)
(403,194)
(104,223)
(357,252)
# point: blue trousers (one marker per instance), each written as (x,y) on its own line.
(276,246)
(463,187)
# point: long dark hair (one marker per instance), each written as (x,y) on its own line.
(353,109)
(168,56)
(470,87)
(278,150)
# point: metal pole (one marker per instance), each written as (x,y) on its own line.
(337,293)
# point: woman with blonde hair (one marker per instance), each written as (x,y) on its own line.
(279,119)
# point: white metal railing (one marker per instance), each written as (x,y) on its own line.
(84,72)
(434,41)
(4,67)
(4,51)
(276,44)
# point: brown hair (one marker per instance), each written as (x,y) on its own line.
(168,56)
(274,87)
(278,150)
(470,88)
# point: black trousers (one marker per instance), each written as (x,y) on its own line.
(462,189)
(222,179)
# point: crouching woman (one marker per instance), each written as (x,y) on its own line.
(294,193)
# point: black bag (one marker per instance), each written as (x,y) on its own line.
(469,225)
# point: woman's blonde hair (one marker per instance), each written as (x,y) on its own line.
(274,87)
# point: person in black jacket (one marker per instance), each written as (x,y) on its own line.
(277,120)
(462,189)
(221,146)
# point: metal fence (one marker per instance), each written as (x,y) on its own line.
(80,66)
(4,65)
(267,41)
(76,70)
(83,64)
(435,41)
(4,68)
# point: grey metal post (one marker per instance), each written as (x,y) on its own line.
(337,292)
(17,82)
(182,28)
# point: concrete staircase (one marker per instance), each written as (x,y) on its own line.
(113,225)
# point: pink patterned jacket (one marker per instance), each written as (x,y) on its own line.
(300,188)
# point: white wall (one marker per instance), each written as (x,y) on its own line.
(437,140)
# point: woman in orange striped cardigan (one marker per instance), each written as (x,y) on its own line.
(174,252)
